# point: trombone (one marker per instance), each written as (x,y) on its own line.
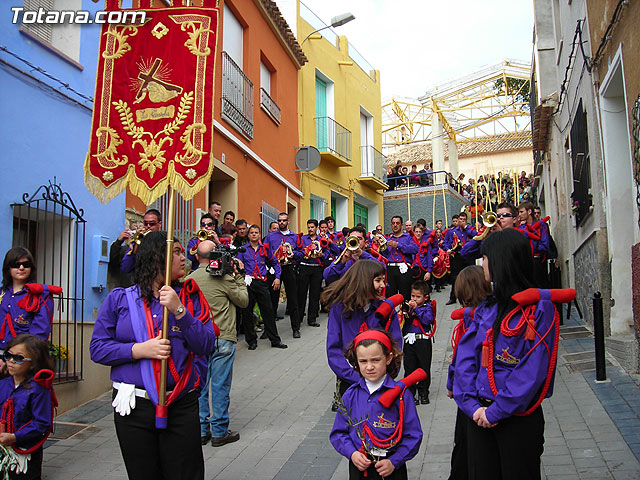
(352,244)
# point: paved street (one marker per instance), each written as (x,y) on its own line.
(280,405)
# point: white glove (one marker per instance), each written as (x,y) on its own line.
(247,280)
(272,271)
(125,400)
(410,338)
(403,268)
(19,462)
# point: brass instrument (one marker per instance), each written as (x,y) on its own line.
(381,240)
(137,239)
(203,235)
(284,253)
(352,244)
(314,250)
(489,219)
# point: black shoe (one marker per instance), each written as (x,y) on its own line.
(334,407)
(278,317)
(253,346)
(451,302)
(229,437)
(313,324)
(205,439)
(279,345)
(259,328)
(424,400)
(324,310)
(263,336)
(296,334)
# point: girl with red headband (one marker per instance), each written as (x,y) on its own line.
(376,429)
(356,303)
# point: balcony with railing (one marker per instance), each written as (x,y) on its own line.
(269,106)
(372,171)
(333,141)
(237,97)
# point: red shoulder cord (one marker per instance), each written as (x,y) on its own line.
(527,319)
(8,413)
(392,439)
(458,332)
(418,323)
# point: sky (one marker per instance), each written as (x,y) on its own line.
(417,44)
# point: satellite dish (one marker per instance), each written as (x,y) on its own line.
(307,159)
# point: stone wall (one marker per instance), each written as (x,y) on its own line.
(586,276)
(422,206)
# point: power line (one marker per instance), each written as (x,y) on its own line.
(3,48)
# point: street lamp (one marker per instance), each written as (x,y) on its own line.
(335,22)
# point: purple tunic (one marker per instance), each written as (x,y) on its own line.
(335,270)
(404,252)
(275,239)
(519,371)
(467,319)
(341,330)
(36,323)
(256,262)
(464,235)
(424,314)
(383,421)
(113,337)
(32,410)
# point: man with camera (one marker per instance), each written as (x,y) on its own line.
(224,290)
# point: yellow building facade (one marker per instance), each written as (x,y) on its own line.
(339,108)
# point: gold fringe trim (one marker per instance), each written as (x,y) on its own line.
(140,189)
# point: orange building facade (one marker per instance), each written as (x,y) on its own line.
(255,121)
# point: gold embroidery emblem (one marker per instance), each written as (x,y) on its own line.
(176,328)
(160,30)
(507,358)
(1,296)
(383,422)
(21,321)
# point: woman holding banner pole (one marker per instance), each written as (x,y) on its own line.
(128,337)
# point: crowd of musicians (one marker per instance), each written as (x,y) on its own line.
(375,287)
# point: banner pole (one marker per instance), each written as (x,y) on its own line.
(161,410)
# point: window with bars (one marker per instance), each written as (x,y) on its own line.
(581,197)
(268,214)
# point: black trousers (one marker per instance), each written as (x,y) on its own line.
(540,272)
(152,454)
(289,278)
(511,449)
(372,474)
(418,355)
(310,284)
(259,293)
(459,469)
(34,468)
(398,282)
(274,294)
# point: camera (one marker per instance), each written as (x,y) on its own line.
(221,260)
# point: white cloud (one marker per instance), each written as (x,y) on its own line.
(418,43)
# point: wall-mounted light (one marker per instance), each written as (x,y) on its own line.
(336,21)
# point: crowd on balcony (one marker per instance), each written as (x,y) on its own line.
(488,190)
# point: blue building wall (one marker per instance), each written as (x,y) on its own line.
(45,132)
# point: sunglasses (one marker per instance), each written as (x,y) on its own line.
(206,224)
(504,215)
(18,359)
(25,264)
(150,224)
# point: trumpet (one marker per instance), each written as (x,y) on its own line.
(136,239)
(203,235)
(314,250)
(352,244)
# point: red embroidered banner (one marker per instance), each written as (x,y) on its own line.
(152,121)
